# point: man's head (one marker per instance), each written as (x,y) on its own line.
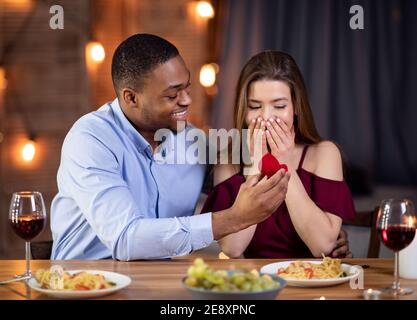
(151,81)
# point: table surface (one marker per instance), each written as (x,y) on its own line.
(162,279)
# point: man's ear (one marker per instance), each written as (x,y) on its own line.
(130,98)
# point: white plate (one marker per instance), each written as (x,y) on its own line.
(351,271)
(121,281)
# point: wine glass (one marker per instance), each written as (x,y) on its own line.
(396,226)
(27,216)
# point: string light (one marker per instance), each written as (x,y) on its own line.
(96,51)
(29,151)
(18,4)
(205,9)
(208,74)
(3,81)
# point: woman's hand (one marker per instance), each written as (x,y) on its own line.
(281,140)
(256,142)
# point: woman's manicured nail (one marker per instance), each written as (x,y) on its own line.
(278,120)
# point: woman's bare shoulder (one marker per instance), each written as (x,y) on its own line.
(324,160)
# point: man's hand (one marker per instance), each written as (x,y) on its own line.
(259,198)
(341,249)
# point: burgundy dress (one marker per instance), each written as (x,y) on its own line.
(276,236)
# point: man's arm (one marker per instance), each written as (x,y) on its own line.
(257,199)
(92,175)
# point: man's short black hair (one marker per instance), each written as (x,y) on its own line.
(138,55)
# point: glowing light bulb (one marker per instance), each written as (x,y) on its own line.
(208,74)
(28,151)
(411,222)
(96,51)
(205,9)
(3,81)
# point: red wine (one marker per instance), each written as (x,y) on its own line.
(28,226)
(397,237)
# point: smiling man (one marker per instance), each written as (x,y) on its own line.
(115,200)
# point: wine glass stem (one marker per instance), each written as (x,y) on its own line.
(396,285)
(27,258)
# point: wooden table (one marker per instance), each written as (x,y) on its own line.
(162,279)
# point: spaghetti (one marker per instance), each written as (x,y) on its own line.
(57,279)
(328,269)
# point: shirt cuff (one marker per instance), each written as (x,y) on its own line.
(201,231)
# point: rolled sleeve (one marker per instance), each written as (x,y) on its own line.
(201,230)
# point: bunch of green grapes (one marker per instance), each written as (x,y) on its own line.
(201,276)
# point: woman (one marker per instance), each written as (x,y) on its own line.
(271,97)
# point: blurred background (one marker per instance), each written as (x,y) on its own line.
(362,83)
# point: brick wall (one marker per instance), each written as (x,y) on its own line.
(170,19)
(49,85)
(47,90)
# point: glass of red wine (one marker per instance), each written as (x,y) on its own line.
(397,227)
(27,216)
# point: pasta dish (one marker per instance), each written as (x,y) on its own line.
(328,269)
(57,279)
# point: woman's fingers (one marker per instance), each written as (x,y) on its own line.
(254,127)
(257,143)
(273,129)
(264,143)
(281,134)
(249,134)
(271,142)
(263,138)
(251,127)
(258,128)
(284,127)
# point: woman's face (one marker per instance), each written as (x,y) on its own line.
(270,99)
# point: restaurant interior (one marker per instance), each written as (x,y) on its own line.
(361,84)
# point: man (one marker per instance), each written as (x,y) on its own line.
(115,200)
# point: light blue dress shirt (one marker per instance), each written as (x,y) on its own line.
(116,201)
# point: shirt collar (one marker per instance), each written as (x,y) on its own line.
(127,127)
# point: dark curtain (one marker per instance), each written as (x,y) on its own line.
(362,83)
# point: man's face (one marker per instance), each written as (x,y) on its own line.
(165,98)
